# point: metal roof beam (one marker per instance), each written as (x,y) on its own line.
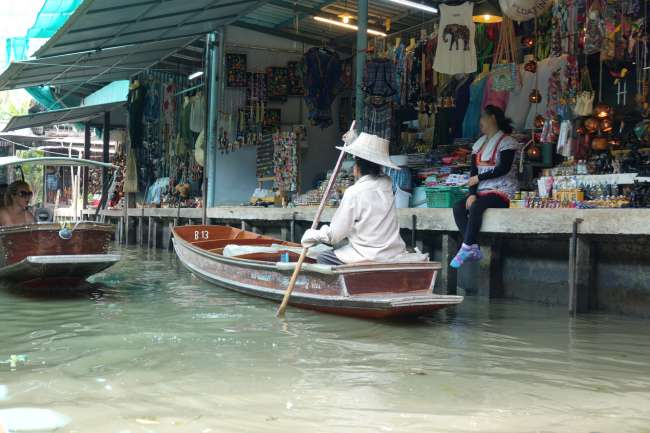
(302,11)
(281,34)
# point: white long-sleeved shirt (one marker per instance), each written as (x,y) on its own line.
(367,218)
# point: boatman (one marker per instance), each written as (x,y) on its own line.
(366,217)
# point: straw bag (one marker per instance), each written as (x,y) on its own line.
(585,97)
(504,66)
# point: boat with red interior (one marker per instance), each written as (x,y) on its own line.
(49,254)
(261,266)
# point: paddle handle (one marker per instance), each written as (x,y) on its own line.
(314,225)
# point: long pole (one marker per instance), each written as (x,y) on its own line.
(314,225)
(362,45)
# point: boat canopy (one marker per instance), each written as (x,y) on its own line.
(53,161)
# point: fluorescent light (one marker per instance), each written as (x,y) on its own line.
(348,26)
(197,74)
(416,5)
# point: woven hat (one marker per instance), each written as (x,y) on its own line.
(371,148)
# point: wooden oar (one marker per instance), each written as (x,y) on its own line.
(314,225)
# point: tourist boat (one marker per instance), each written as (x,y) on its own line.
(253,264)
(53,255)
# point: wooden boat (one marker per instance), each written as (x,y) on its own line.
(46,255)
(37,256)
(369,290)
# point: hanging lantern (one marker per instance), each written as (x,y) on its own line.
(591,125)
(535,97)
(602,110)
(528,42)
(531,66)
(615,142)
(606,125)
(539,121)
(580,130)
(534,152)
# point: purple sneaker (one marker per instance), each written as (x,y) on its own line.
(466,254)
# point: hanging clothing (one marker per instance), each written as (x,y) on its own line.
(136,101)
(461,100)
(519,100)
(456,51)
(152,102)
(487,158)
(498,98)
(471,127)
(322,81)
(545,70)
(197,116)
(185,137)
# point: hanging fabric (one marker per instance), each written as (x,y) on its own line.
(585,98)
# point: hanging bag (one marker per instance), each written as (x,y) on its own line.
(585,97)
(504,66)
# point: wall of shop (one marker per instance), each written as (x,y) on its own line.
(236,177)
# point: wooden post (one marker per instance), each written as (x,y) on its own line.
(243,225)
(292,227)
(448,275)
(495,267)
(155,234)
(284,233)
(573,268)
(149,230)
(584,276)
(169,242)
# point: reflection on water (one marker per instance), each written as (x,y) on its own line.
(149,348)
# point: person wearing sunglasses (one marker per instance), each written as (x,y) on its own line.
(15,211)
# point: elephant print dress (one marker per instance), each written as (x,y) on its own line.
(456,52)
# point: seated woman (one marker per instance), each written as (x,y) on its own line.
(366,216)
(492,184)
(17,199)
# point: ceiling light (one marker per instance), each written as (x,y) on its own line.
(416,5)
(486,13)
(196,74)
(345,18)
(348,26)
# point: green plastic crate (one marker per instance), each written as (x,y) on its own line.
(444,196)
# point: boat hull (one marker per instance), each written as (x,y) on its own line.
(366,291)
(36,256)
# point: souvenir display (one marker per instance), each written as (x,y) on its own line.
(277,82)
(236,70)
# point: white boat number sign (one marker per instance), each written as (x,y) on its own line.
(202,234)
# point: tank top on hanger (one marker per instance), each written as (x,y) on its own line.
(456,52)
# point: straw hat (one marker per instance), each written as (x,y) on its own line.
(371,148)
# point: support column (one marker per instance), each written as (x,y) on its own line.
(106,149)
(210,122)
(85,170)
(362,46)
(448,276)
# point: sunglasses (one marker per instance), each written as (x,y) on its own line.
(25,194)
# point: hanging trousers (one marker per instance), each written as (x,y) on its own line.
(469,221)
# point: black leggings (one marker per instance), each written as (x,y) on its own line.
(469,222)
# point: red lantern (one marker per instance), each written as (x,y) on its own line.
(535,97)
(528,42)
(602,110)
(606,125)
(531,66)
(599,143)
(539,121)
(534,152)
